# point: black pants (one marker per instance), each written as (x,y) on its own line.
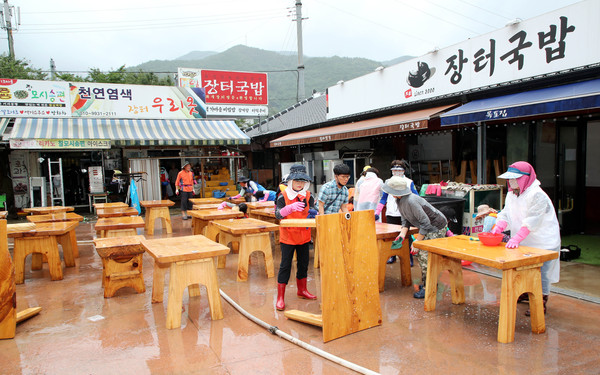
(393,219)
(287,255)
(186,204)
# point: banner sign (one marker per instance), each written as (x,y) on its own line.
(60,144)
(30,98)
(558,41)
(26,98)
(227,87)
(237,110)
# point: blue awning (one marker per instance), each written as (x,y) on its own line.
(559,99)
(132,132)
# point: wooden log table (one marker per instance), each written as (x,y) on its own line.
(386,234)
(190,261)
(116,212)
(42,241)
(51,218)
(158,209)
(109,205)
(258,205)
(521,273)
(206,206)
(47,210)
(119,226)
(200,219)
(252,234)
(122,263)
(206,200)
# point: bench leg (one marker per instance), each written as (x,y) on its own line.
(514,283)
(150,217)
(166,219)
(158,282)
(249,244)
(65,241)
(405,272)
(40,247)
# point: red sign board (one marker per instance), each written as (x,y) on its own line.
(225,87)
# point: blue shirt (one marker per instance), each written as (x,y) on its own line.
(332,197)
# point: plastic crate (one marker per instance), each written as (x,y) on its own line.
(452,208)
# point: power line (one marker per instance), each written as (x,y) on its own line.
(486,10)
(462,15)
(439,18)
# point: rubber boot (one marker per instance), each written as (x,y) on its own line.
(302,292)
(544,301)
(280,305)
(421,293)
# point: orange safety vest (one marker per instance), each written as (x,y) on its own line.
(295,236)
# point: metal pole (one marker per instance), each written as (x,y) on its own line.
(300,50)
(52,70)
(7,20)
(481,153)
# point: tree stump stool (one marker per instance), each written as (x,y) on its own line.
(122,260)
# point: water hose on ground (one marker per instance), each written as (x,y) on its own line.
(276,331)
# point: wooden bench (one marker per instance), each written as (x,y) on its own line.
(109,205)
(116,212)
(158,209)
(52,218)
(119,226)
(122,263)
(48,210)
(200,219)
(258,205)
(206,206)
(252,234)
(206,200)
(190,261)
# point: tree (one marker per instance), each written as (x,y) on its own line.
(18,69)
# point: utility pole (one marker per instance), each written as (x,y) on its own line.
(52,70)
(300,51)
(7,13)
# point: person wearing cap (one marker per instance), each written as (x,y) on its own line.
(248,186)
(488,215)
(416,212)
(333,196)
(265,195)
(530,216)
(295,202)
(392,215)
(369,191)
(185,183)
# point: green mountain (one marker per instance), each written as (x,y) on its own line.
(320,72)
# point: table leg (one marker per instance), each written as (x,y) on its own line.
(435,265)
(404,256)
(250,243)
(150,218)
(165,218)
(158,282)
(514,283)
(65,241)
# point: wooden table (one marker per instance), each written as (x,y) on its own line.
(109,205)
(267,214)
(158,209)
(205,200)
(48,210)
(200,219)
(116,212)
(521,273)
(190,260)
(257,205)
(42,240)
(119,226)
(206,206)
(386,234)
(51,218)
(252,234)
(122,263)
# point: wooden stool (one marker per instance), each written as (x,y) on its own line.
(123,226)
(44,245)
(190,261)
(122,263)
(158,209)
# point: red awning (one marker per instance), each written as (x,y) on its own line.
(382,125)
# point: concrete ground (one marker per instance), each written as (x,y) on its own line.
(80,332)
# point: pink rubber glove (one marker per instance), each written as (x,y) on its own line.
(235,197)
(265,198)
(514,242)
(378,210)
(222,205)
(449,233)
(294,207)
(499,227)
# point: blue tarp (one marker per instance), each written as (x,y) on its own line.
(575,96)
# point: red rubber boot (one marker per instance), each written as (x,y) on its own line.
(280,305)
(302,292)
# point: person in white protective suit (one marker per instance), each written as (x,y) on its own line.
(530,216)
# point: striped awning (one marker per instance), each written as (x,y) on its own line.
(3,124)
(124,132)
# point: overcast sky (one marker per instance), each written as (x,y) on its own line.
(80,35)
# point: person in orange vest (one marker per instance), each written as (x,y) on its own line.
(295,202)
(185,183)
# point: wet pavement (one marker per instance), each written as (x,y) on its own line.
(80,332)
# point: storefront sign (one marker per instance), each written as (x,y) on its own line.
(227,87)
(237,110)
(136,101)
(554,42)
(60,144)
(28,98)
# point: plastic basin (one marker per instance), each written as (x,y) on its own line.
(490,239)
